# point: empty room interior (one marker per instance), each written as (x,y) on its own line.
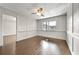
(39,28)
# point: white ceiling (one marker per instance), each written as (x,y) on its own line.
(51,9)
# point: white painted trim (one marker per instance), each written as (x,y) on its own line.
(73,35)
(26,38)
(9,34)
(76,34)
(69,47)
(51,37)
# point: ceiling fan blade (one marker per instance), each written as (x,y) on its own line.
(33,13)
(42,15)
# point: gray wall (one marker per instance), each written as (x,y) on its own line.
(60,30)
(26,27)
(69,26)
(0,29)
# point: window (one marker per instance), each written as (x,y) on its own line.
(51,25)
(44,25)
(48,25)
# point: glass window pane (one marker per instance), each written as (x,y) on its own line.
(52,23)
(44,24)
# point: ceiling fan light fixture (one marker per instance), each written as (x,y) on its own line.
(38,14)
(38,11)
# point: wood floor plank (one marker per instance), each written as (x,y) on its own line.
(39,45)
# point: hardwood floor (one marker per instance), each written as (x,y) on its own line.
(39,45)
(9,45)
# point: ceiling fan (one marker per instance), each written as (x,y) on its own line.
(38,11)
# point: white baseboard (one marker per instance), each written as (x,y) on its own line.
(26,38)
(69,48)
(1,45)
(52,37)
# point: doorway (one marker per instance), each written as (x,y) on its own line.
(8,34)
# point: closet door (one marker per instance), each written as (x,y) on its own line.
(9,34)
